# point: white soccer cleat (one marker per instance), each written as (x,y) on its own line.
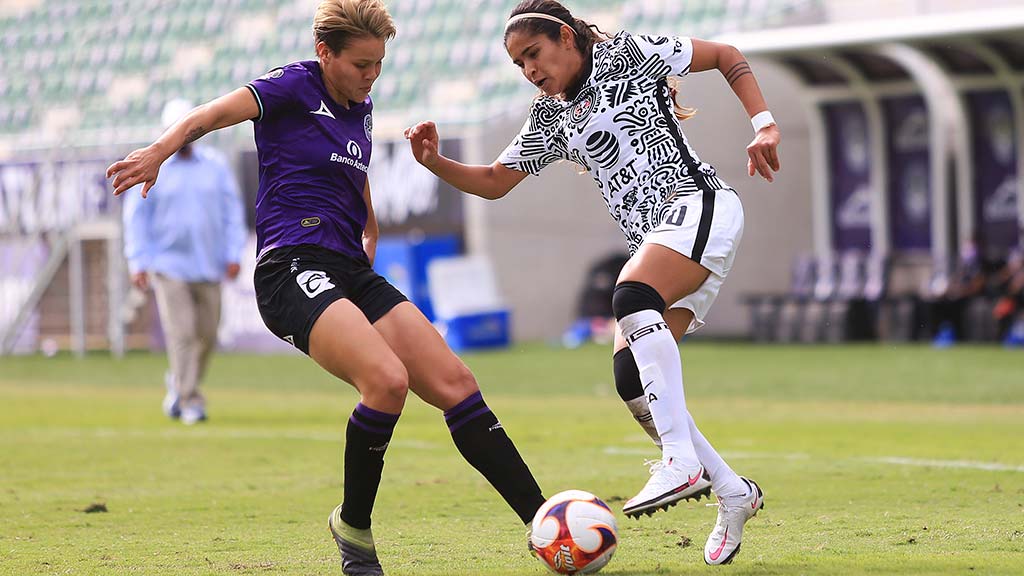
(171,403)
(192,415)
(724,542)
(670,482)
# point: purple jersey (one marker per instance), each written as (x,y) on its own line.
(313,159)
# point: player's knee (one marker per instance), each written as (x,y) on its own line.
(390,384)
(450,386)
(460,381)
(627,375)
(397,384)
(631,297)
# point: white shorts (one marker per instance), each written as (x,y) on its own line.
(705,227)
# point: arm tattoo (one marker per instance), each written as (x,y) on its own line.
(738,70)
(738,76)
(194,134)
(740,63)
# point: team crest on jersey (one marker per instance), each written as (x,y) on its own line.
(368,127)
(587,101)
(275,73)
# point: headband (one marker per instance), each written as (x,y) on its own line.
(526,15)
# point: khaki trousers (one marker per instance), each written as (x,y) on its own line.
(190,314)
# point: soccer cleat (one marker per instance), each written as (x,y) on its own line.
(358,555)
(669,483)
(191,415)
(171,405)
(724,542)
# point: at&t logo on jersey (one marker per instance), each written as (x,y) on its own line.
(314,282)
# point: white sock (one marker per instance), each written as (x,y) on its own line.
(638,408)
(724,481)
(661,374)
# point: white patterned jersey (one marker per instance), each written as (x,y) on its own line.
(621,128)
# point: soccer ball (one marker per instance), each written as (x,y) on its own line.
(574,532)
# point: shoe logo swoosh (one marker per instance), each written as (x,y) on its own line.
(693,479)
(717,553)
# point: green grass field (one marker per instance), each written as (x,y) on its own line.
(873,460)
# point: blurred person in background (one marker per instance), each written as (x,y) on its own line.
(608,104)
(183,242)
(1007,313)
(948,310)
(315,285)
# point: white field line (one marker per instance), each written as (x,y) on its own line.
(204,431)
(967,464)
(651,451)
(895,460)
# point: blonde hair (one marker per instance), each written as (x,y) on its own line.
(337,22)
(681,112)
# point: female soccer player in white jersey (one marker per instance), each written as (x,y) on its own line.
(316,237)
(606,105)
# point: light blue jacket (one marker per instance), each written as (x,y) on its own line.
(192,224)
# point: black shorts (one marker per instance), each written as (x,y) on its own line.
(295,284)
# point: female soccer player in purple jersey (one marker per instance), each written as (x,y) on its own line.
(316,237)
(607,105)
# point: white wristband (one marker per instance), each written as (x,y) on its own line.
(761,120)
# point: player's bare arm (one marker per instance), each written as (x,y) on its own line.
(371,232)
(762,152)
(143,165)
(490,182)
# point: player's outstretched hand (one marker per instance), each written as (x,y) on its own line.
(139,167)
(763,153)
(424,140)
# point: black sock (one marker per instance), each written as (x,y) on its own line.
(627,375)
(366,440)
(482,441)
